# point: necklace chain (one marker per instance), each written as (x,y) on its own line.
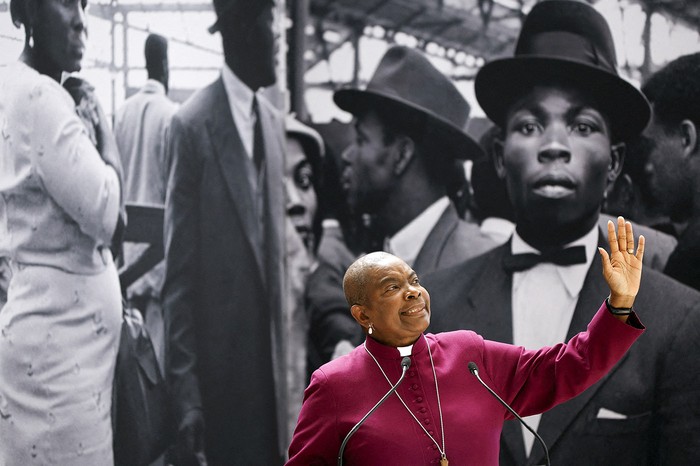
(437,391)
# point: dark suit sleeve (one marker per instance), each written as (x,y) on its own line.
(330,320)
(181,279)
(678,395)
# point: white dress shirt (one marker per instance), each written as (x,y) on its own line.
(544,299)
(240,99)
(496,228)
(408,241)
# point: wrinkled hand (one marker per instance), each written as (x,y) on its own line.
(189,450)
(622,269)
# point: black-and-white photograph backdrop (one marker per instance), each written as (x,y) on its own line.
(184,184)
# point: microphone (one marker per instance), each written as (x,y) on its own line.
(474,369)
(405,364)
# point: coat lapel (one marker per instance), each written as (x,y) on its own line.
(429,255)
(232,158)
(555,421)
(491,300)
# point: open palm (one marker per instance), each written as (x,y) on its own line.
(622,268)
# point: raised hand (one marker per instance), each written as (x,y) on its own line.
(622,268)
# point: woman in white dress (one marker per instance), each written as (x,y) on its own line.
(59,208)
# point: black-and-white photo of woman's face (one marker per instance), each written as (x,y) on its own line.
(59,31)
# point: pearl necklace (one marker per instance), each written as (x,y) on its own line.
(443,456)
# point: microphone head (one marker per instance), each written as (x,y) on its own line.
(473,368)
(406,362)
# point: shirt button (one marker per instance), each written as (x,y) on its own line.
(422,410)
(414,386)
(426,421)
(411,373)
(419,399)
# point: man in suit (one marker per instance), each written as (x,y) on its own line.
(225,254)
(140,129)
(564,110)
(672,144)
(410,125)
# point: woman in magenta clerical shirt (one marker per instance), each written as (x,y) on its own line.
(440,412)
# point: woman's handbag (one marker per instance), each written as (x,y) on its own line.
(140,414)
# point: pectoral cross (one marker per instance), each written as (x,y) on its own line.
(443,461)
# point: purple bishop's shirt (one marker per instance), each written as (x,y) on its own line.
(344,390)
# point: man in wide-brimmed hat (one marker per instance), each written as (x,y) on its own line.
(410,125)
(564,113)
(224,231)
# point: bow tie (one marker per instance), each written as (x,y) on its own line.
(569,256)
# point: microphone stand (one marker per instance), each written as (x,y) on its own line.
(475,371)
(405,364)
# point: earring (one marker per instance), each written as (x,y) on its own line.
(370,330)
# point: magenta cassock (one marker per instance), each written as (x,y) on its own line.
(343,390)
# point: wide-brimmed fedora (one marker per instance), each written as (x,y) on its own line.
(570,42)
(244,7)
(406,81)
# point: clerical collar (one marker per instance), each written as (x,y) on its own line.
(382,351)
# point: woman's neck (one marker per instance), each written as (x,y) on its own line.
(32,58)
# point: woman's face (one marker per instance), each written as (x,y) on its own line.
(301,197)
(398,307)
(59,31)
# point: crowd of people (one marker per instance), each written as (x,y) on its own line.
(273,314)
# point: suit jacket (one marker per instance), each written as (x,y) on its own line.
(655,388)
(451,241)
(223,293)
(659,244)
(683,262)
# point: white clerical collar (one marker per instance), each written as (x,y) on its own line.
(405,350)
(408,241)
(572,276)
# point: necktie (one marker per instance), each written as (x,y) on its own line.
(258,141)
(569,256)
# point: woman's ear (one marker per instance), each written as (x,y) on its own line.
(360,315)
(28,13)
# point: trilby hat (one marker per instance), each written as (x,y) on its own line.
(226,7)
(406,80)
(570,42)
